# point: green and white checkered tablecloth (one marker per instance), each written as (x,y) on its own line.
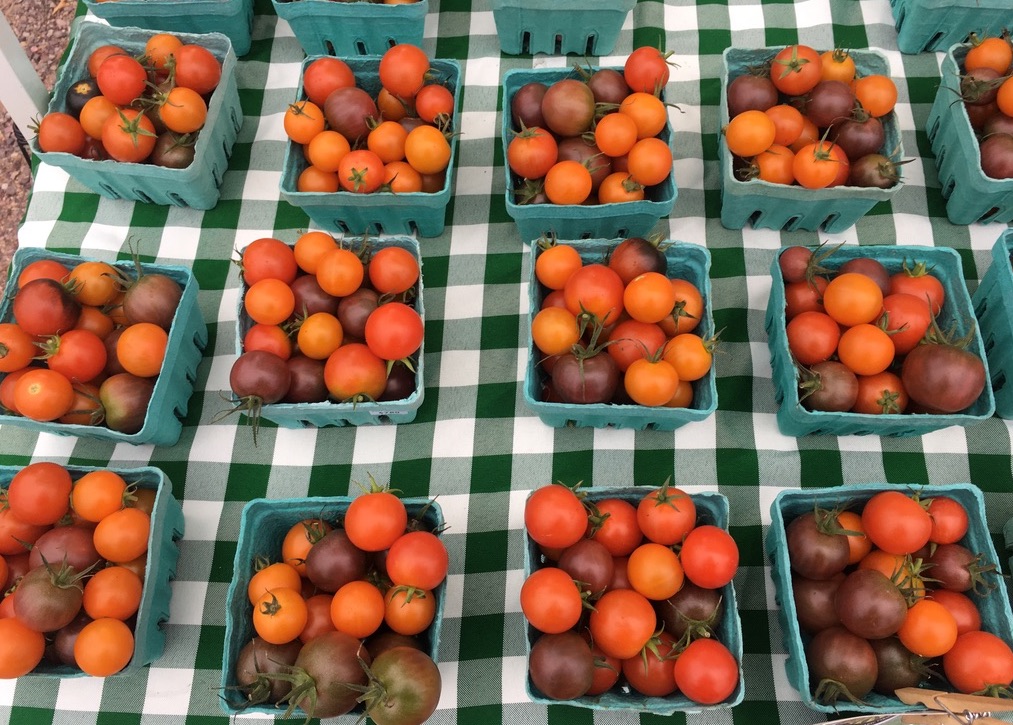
(474,443)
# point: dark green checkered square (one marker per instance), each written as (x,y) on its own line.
(486,552)
(481,636)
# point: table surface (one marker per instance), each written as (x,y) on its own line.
(475,444)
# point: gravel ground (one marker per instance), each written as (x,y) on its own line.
(42,27)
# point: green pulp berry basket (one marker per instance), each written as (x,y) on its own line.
(167,527)
(323,27)
(316,415)
(711,508)
(584,27)
(957,313)
(686,261)
(970,195)
(196,186)
(262,528)
(188,336)
(935,25)
(343,212)
(994,606)
(993,305)
(233,18)
(768,205)
(576,221)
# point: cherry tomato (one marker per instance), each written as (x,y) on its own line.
(97,494)
(418,559)
(796,70)
(43,395)
(409,611)
(666,515)
(39,494)
(812,337)
(354,372)
(394,331)
(280,615)
(646,70)
(949,520)
(121,79)
(551,601)
(357,609)
(268,257)
(197,68)
(622,622)
(706,672)
(978,659)
(896,523)
(273,576)
(112,592)
(403,69)
(619,531)
(104,647)
(709,556)
(554,516)
(375,520)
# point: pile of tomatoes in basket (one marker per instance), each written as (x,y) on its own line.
(397,141)
(883,590)
(866,340)
(987,91)
(619,330)
(86,343)
(328,322)
(807,119)
(611,598)
(564,150)
(136,110)
(73,564)
(346,616)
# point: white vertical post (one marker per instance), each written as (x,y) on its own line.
(22,92)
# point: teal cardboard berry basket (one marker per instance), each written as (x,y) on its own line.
(233,18)
(935,25)
(957,313)
(993,305)
(188,336)
(685,261)
(318,415)
(323,27)
(576,221)
(167,526)
(345,212)
(262,528)
(766,205)
(584,27)
(711,508)
(790,503)
(970,195)
(197,185)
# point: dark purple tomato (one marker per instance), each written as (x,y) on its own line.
(898,666)
(692,609)
(840,662)
(874,170)
(306,382)
(589,563)
(829,102)
(113,366)
(353,311)
(125,399)
(172,151)
(943,377)
(310,297)
(48,598)
(401,382)
(256,664)
(998,123)
(591,380)
(608,86)
(561,666)
(858,138)
(750,92)
(869,604)
(349,111)
(324,669)
(634,256)
(871,268)
(408,687)
(794,262)
(70,544)
(814,602)
(387,639)
(64,638)
(334,561)
(152,298)
(832,387)
(408,123)
(958,569)
(568,107)
(526,105)
(979,115)
(996,156)
(261,376)
(814,550)
(978,87)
